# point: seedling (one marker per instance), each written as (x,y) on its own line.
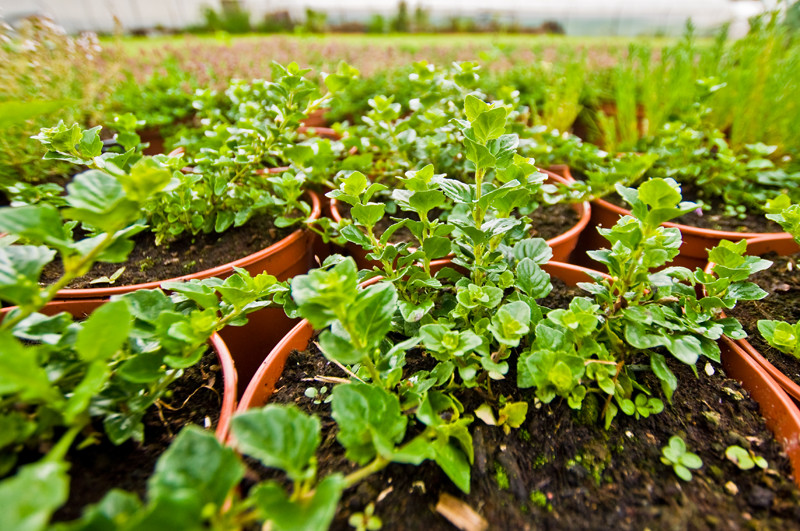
(366,521)
(744,459)
(679,458)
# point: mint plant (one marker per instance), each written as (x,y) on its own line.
(676,455)
(636,311)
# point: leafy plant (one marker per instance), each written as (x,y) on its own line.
(636,311)
(679,458)
(239,139)
(63,378)
(781,335)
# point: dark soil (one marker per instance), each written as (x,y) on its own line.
(150,262)
(547,221)
(196,399)
(782,282)
(562,470)
(713,218)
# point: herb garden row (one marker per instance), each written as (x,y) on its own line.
(483,295)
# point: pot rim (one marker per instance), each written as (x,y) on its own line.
(695,231)
(275,248)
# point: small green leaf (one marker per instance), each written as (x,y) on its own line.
(104,332)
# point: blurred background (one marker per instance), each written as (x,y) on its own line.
(571,17)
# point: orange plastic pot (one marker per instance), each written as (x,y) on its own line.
(316,118)
(784,245)
(261,387)
(562,245)
(780,413)
(81,309)
(284,259)
(696,240)
(322,132)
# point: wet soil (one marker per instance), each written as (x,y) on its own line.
(196,398)
(782,282)
(562,470)
(150,262)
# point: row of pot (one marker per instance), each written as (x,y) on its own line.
(252,356)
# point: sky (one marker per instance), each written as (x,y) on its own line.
(578,16)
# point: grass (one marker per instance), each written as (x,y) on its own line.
(410,42)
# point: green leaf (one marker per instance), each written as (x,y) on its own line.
(489,125)
(282,514)
(436,247)
(196,467)
(660,193)
(352,234)
(511,322)
(142,368)
(668,380)
(97,374)
(424,201)
(354,184)
(479,154)
(35,223)
(454,463)
(338,348)
(474,107)
(560,376)
(98,199)
(372,312)
(321,294)
(370,421)
(532,279)
(91,145)
(281,437)
(21,373)
(368,215)
(28,499)
(104,332)
(535,249)
(148,304)
(20,268)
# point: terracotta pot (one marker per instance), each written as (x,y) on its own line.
(781,414)
(316,118)
(784,245)
(263,383)
(696,241)
(83,308)
(322,132)
(153,136)
(562,245)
